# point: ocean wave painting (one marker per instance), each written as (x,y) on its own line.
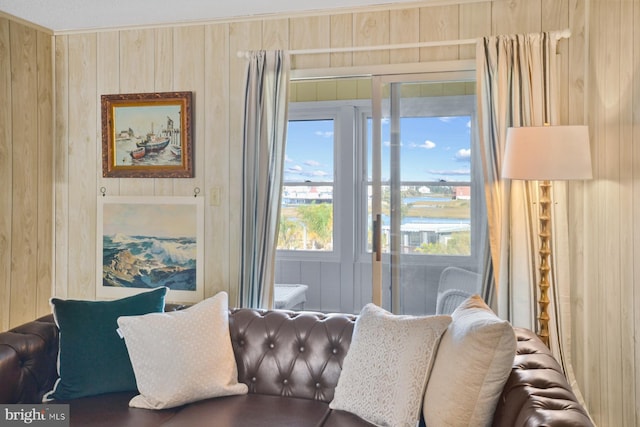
(149,245)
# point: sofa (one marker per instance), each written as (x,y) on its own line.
(291,363)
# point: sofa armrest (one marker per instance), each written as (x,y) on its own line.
(537,392)
(28,358)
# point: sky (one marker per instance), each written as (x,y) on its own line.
(139,218)
(142,119)
(432,149)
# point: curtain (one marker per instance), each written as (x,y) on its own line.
(265,125)
(518,86)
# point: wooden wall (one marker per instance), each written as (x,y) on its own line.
(26,172)
(607,304)
(202,59)
(600,87)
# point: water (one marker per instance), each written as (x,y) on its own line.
(160,158)
(149,262)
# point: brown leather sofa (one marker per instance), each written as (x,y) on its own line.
(291,362)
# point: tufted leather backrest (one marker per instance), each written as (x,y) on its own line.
(300,354)
(537,392)
(28,359)
(28,356)
(286,353)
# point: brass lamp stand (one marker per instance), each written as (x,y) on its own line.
(545,260)
(545,153)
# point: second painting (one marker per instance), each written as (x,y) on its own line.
(147,242)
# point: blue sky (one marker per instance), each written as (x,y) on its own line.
(432,149)
(150,219)
(142,118)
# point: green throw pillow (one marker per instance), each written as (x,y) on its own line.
(92,358)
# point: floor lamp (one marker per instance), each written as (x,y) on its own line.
(545,154)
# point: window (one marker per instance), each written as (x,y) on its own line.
(434,163)
(325,235)
(306,218)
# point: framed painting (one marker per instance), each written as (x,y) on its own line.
(147,135)
(147,242)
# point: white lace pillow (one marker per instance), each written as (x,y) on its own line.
(472,365)
(182,356)
(387,366)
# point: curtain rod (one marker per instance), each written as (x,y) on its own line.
(245,54)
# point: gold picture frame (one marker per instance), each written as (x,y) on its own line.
(147,135)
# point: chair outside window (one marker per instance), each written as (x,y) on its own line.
(456,285)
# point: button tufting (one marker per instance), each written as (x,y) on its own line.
(285,381)
(253,379)
(271,345)
(334,351)
(317,385)
(242,343)
(301,349)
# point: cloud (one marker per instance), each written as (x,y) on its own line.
(312,163)
(428,145)
(324,134)
(287,159)
(463,155)
(295,169)
(446,119)
(319,173)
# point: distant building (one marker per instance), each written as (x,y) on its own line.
(463,193)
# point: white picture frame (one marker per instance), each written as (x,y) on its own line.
(148,241)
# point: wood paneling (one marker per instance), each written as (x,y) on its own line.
(371,29)
(82,152)
(341,36)
(310,33)
(25,164)
(6,174)
(439,23)
(600,87)
(216,164)
(26,172)
(61,168)
(404,27)
(44,171)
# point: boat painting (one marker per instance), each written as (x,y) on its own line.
(176,150)
(154,143)
(148,148)
(138,153)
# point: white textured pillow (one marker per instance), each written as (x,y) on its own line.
(473,363)
(386,368)
(182,356)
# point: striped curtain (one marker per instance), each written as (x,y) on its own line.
(518,86)
(265,125)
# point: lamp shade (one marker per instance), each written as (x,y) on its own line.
(547,153)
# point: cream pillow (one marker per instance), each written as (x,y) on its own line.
(386,368)
(182,356)
(473,363)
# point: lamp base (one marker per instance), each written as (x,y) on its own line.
(545,256)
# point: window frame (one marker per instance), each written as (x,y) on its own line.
(462,105)
(350,214)
(341,113)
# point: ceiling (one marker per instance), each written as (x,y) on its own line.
(84,15)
